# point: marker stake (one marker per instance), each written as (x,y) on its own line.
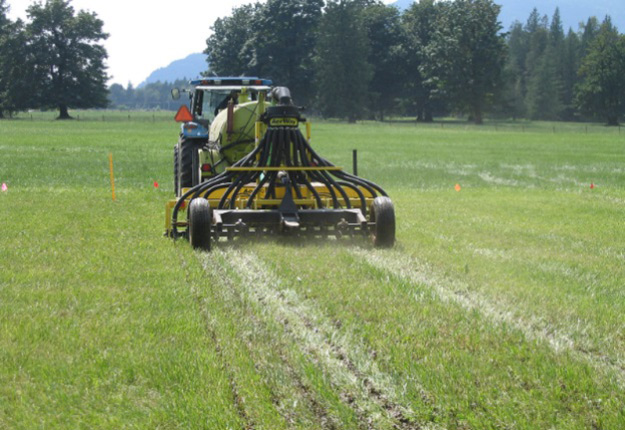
(112,177)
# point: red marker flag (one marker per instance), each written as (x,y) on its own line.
(4,187)
(155,184)
(592,186)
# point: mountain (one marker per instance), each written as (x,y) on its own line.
(571,12)
(187,68)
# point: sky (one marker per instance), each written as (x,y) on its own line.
(145,35)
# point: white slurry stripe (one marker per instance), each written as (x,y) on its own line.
(454,291)
(343,358)
(487,177)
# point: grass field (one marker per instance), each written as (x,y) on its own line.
(501,307)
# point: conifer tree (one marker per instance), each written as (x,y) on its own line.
(602,90)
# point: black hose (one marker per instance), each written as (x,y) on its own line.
(281,146)
(363,201)
(323,173)
(301,142)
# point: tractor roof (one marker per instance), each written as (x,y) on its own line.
(231,81)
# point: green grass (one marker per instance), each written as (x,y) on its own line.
(501,305)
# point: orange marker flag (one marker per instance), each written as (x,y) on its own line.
(457,187)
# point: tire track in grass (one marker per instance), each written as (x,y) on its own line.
(212,334)
(497,311)
(368,391)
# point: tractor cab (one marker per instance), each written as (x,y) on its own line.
(217,126)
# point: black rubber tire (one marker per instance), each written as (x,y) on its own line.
(383,215)
(200,220)
(188,166)
(176,177)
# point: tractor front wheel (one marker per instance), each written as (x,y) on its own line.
(200,220)
(383,215)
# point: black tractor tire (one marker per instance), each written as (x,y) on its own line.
(383,215)
(188,165)
(200,220)
(176,175)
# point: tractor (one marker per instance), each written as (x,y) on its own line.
(243,167)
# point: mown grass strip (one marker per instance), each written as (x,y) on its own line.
(297,393)
(477,374)
(342,359)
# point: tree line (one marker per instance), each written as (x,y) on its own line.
(357,59)
(348,59)
(53,61)
(155,95)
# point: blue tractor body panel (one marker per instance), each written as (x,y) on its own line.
(194,130)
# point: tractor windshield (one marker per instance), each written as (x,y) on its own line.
(212,102)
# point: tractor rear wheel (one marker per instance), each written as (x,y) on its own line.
(383,215)
(189,165)
(200,220)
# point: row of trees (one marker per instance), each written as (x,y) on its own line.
(53,61)
(550,75)
(360,58)
(156,95)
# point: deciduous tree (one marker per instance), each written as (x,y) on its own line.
(386,38)
(419,24)
(466,54)
(15,72)
(283,44)
(343,72)
(227,49)
(69,65)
